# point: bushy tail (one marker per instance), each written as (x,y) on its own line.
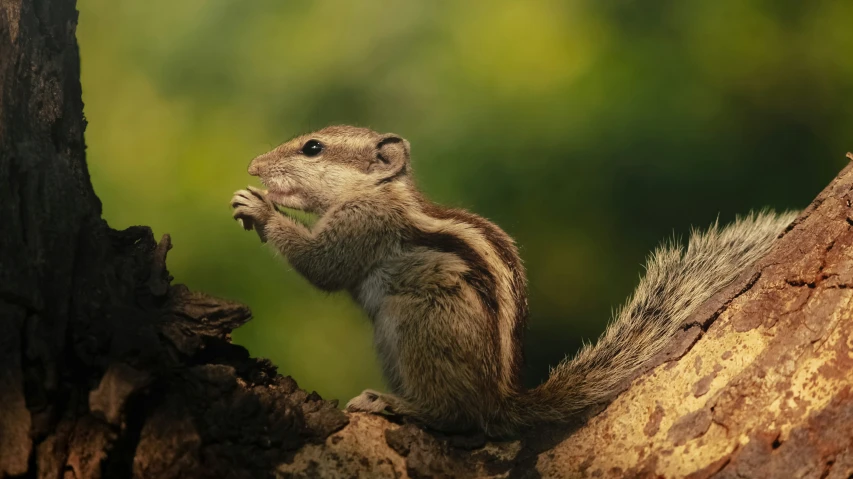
(675,283)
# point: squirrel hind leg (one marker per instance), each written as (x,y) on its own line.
(375,402)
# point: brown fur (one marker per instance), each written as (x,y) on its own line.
(446,289)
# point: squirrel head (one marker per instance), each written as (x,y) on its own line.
(316,171)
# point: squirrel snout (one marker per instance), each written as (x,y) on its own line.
(259,164)
(255,166)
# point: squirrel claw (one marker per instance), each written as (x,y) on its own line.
(251,209)
(246,224)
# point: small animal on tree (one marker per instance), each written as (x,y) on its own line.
(445,289)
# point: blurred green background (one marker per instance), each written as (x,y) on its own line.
(589,129)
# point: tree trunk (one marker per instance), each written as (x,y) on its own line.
(108,370)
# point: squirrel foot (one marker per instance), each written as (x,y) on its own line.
(370,401)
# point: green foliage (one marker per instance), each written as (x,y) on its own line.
(590,130)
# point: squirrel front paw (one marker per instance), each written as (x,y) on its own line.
(252,209)
(369,401)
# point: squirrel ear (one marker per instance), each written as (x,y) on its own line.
(392,153)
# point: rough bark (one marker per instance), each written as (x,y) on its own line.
(109,370)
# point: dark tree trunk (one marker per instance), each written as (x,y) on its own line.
(108,370)
(105,368)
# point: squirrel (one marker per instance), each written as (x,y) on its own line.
(446,289)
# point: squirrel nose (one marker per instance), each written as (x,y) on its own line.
(258,164)
(255,165)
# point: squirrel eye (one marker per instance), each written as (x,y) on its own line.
(312,148)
